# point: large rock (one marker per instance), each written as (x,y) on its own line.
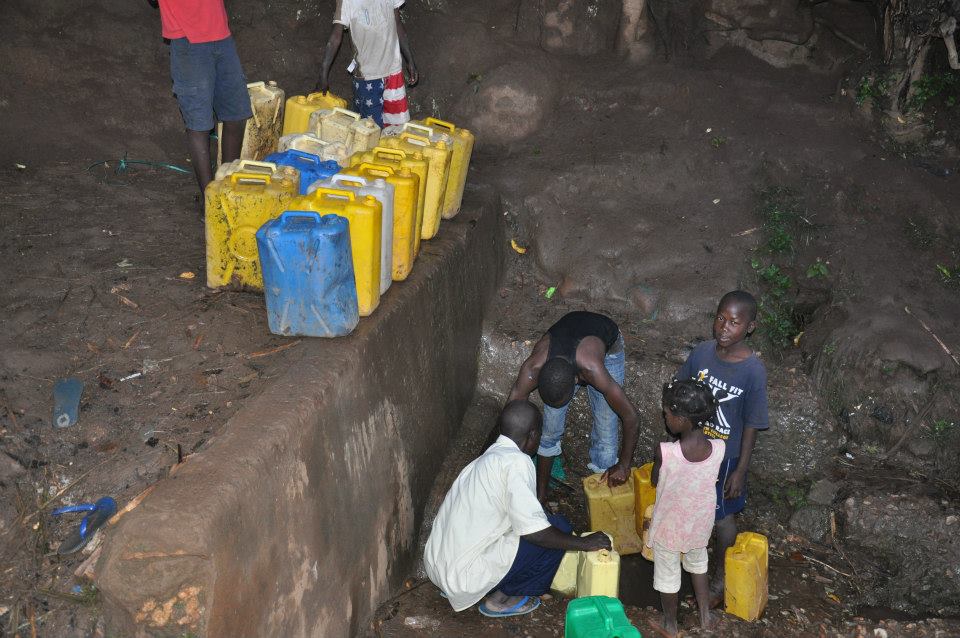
(579,27)
(917,538)
(510,102)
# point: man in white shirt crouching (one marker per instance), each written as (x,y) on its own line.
(491,536)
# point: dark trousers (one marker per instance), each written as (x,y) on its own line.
(534,567)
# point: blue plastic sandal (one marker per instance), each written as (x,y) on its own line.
(100,513)
(510,611)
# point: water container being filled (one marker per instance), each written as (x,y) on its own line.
(565,580)
(745,584)
(308,275)
(599,574)
(645,495)
(597,617)
(365,215)
(297,111)
(262,130)
(612,511)
(310,143)
(384,192)
(311,168)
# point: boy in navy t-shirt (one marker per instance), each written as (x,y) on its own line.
(739,382)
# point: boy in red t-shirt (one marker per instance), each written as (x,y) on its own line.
(208,79)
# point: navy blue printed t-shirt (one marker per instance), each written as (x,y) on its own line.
(741,389)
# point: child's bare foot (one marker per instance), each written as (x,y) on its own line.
(667,628)
(708,620)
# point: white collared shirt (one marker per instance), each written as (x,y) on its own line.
(477,531)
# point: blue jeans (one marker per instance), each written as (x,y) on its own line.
(534,567)
(605,436)
(209,83)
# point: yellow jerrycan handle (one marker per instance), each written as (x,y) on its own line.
(379,151)
(427,131)
(311,96)
(413,138)
(355,116)
(376,168)
(248,177)
(269,167)
(432,121)
(338,193)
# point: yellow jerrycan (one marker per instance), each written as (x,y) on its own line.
(745,584)
(254,166)
(463,141)
(599,574)
(365,216)
(644,531)
(438,158)
(310,143)
(262,131)
(405,186)
(334,125)
(366,135)
(645,495)
(565,580)
(416,163)
(612,510)
(296,117)
(236,207)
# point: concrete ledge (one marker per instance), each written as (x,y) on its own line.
(301,517)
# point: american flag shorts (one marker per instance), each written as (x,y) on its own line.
(385,100)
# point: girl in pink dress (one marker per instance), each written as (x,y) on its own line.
(685,473)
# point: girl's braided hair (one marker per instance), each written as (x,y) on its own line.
(691,399)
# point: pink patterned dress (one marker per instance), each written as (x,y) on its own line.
(686,499)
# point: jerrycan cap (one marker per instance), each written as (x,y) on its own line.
(300,99)
(369,199)
(286,182)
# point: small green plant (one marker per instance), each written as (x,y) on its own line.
(949,276)
(718,141)
(829,348)
(817,270)
(779,281)
(930,86)
(871,89)
(777,320)
(943,428)
(780,208)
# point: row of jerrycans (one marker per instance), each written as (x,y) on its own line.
(625,512)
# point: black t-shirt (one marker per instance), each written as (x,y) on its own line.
(569,331)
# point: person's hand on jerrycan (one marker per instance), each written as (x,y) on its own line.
(616,475)
(595,541)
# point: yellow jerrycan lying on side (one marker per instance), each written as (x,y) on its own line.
(236,207)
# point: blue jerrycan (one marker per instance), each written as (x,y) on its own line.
(308,275)
(310,166)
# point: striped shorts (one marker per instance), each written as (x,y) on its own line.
(385,100)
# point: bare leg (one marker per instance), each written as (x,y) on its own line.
(232,140)
(669,603)
(199,142)
(701,588)
(726,529)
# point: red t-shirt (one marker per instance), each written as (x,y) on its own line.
(196,20)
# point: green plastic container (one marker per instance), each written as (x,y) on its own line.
(598,617)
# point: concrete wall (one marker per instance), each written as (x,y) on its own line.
(301,517)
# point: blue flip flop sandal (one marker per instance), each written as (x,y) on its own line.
(510,611)
(100,513)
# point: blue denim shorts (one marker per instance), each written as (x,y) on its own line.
(728,506)
(209,83)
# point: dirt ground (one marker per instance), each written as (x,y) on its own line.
(103,280)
